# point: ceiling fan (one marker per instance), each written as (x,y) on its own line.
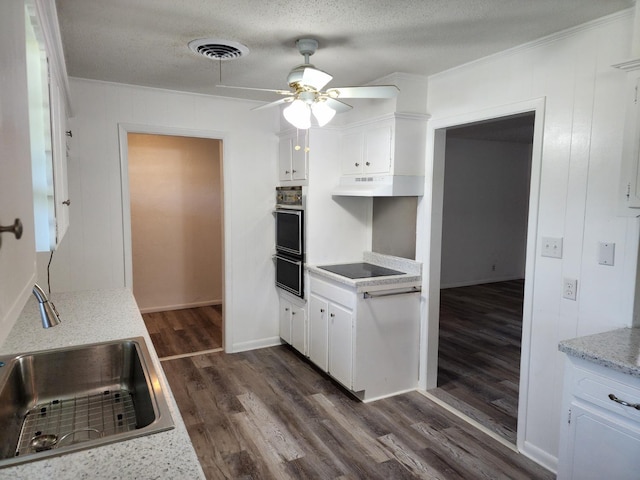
(306,97)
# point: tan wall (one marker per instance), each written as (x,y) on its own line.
(176,221)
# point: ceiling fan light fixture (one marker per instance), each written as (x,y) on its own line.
(322,112)
(298,114)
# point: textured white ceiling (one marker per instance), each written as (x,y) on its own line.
(144,42)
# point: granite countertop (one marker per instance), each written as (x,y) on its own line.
(617,349)
(93,317)
(411,277)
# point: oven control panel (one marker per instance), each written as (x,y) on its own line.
(289,197)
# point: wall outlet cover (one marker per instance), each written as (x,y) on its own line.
(570,289)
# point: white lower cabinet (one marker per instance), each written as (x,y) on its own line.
(293,325)
(341,344)
(319,331)
(369,345)
(600,435)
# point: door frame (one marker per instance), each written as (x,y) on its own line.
(429,245)
(123,130)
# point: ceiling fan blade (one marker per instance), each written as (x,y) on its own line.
(315,78)
(338,106)
(273,104)
(279,92)
(373,91)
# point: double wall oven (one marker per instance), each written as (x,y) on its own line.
(289,257)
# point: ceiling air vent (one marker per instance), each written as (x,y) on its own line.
(217,49)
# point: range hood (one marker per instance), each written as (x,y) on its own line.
(380,186)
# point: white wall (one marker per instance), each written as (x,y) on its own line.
(485,208)
(338,228)
(91,255)
(581,158)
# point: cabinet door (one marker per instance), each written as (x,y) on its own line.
(298,329)
(377,155)
(631,148)
(341,344)
(285,320)
(298,161)
(285,160)
(318,331)
(17,257)
(352,153)
(599,446)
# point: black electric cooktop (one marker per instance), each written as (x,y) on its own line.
(360,270)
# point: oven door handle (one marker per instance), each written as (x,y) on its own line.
(275,256)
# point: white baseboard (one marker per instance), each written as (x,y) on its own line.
(254,344)
(541,457)
(480,282)
(167,308)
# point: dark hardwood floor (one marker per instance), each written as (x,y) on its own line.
(190,330)
(269,414)
(479,353)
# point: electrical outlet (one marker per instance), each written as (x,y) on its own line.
(552,247)
(570,288)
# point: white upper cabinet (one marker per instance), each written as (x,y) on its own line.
(293,159)
(17,256)
(393,145)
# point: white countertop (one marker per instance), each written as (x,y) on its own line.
(92,317)
(412,276)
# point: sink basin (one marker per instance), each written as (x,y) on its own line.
(59,401)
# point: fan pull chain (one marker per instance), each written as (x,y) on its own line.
(306,141)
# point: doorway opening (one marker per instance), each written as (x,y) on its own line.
(482,230)
(176,224)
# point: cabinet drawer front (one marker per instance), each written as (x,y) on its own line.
(608,393)
(337,294)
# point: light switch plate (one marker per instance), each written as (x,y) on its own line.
(606,253)
(552,247)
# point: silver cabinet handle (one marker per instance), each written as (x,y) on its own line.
(357,164)
(16,229)
(367,163)
(332,315)
(286,172)
(293,313)
(623,403)
(67,202)
(322,310)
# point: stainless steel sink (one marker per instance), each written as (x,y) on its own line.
(59,401)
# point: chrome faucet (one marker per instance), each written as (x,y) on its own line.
(48,312)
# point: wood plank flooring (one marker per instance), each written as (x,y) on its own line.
(479,353)
(189,330)
(270,414)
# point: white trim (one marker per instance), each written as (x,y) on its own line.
(191,354)
(430,237)
(540,456)
(470,421)
(255,344)
(227,244)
